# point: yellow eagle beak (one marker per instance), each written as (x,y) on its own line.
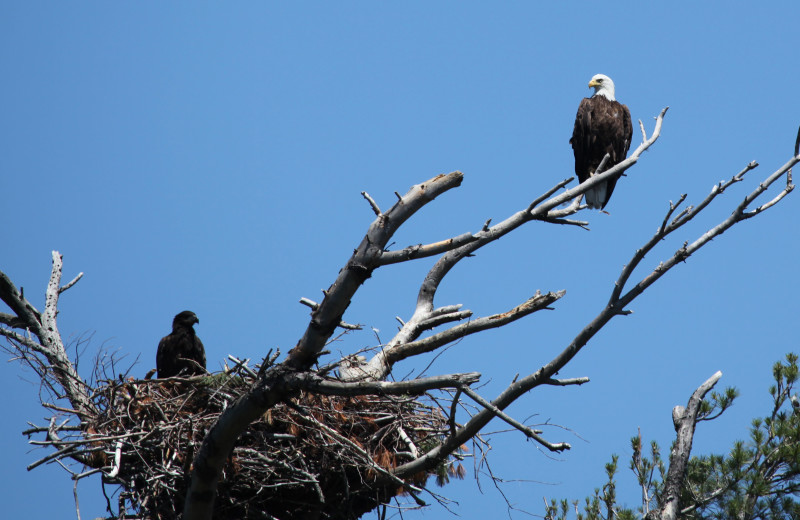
(593,83)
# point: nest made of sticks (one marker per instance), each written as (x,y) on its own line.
(312,457)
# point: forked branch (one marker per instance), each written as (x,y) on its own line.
(327,316)
(615,307)
(405,343)
(542,208)
(685,420)
(35,335)
(45,352)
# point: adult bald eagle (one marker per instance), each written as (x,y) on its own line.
(602,126)
(181,351)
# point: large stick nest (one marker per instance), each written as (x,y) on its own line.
(313,457)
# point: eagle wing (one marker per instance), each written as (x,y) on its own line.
(173,352)
(166,357)
(621,129)
(582,139)
(627,130)
(198,354)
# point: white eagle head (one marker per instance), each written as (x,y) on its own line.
(603,86)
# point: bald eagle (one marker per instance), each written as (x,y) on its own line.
(181,352)
(602,126)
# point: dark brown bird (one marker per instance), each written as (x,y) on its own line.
(182,351)
(602,126)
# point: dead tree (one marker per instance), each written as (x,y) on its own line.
(272,433)
(685,420)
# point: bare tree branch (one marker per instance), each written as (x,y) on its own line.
(22,340)
(529,432)
(685,420)
(24,311)
(615,307)
(533,304)
(313,305)
(312,382)
(539,209)
(739,214)
(543,208)
(423,251)
(372,203)
(365,259)
(71,283)
(35,338)
(44,326)
(401,347)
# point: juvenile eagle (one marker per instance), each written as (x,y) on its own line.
(602,126)
(181,351)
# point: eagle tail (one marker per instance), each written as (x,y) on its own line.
(596,196)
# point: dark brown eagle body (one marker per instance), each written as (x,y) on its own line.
(181,352)
(602,126)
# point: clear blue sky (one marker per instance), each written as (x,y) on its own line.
(210,156)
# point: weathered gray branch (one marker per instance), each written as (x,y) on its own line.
(312,382)
(44,326)
(314,305)
(542,208)
(71,283)
(405,344)
(531,305)
(529,432)
(423,251)
(739,214)
(372,203)
(277,383)
(615,307)
(685,420)
(28,343)
(10,320)
(272,387)
(365,259)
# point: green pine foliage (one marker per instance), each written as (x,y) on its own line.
(758,479)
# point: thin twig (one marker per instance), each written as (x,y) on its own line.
(71,283)
(530,432)
(372,203)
